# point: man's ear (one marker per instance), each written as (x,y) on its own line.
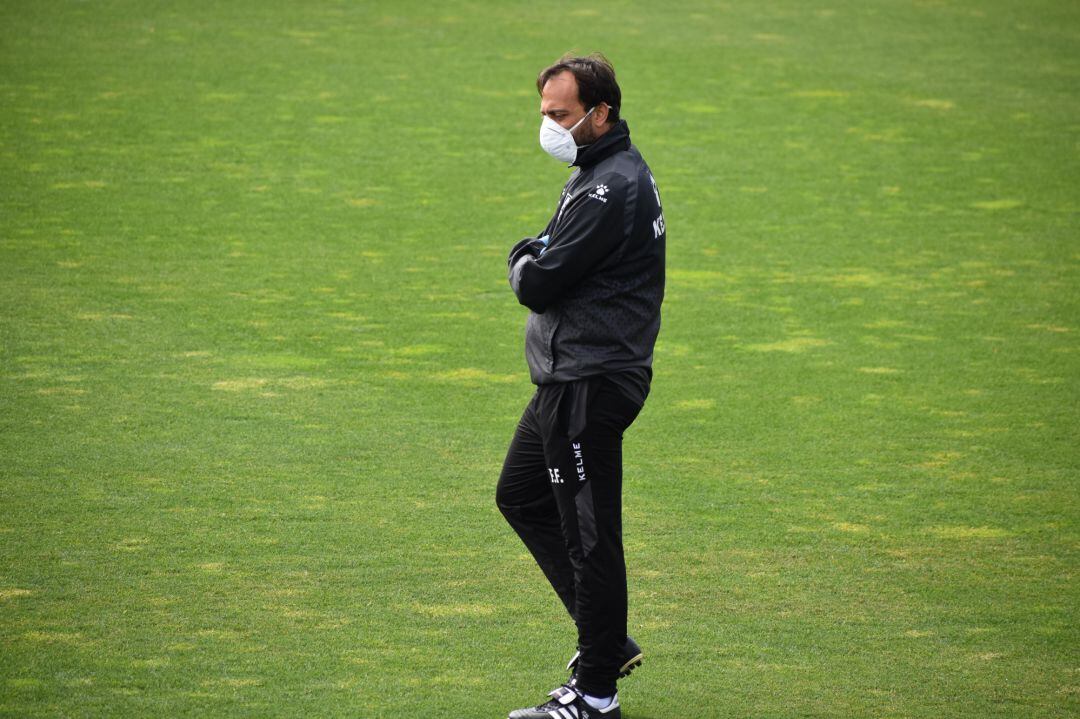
(600,115)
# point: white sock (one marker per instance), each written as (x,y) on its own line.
(597,702)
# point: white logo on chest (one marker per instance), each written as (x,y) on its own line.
(599,192)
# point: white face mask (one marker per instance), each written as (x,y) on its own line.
(559,142)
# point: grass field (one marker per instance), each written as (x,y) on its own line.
(259,362)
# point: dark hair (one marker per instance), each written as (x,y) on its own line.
(595,81)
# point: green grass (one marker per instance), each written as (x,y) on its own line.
(259,362)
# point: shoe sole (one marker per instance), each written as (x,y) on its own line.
(630,665)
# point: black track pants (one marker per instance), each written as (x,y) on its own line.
(561,491)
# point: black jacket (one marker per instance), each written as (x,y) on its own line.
(596,284)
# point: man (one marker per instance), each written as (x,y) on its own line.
(594,281)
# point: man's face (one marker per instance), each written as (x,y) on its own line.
(559,100)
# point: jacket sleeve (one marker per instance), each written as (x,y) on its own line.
(529,247)
(590,228)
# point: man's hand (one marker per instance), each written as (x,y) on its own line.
(531,246)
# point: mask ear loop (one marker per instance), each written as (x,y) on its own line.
(578,124)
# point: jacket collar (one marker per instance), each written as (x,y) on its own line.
(612,141)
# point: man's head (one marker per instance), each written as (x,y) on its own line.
(573,86)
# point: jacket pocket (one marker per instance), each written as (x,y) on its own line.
(539,342)
(549,344)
